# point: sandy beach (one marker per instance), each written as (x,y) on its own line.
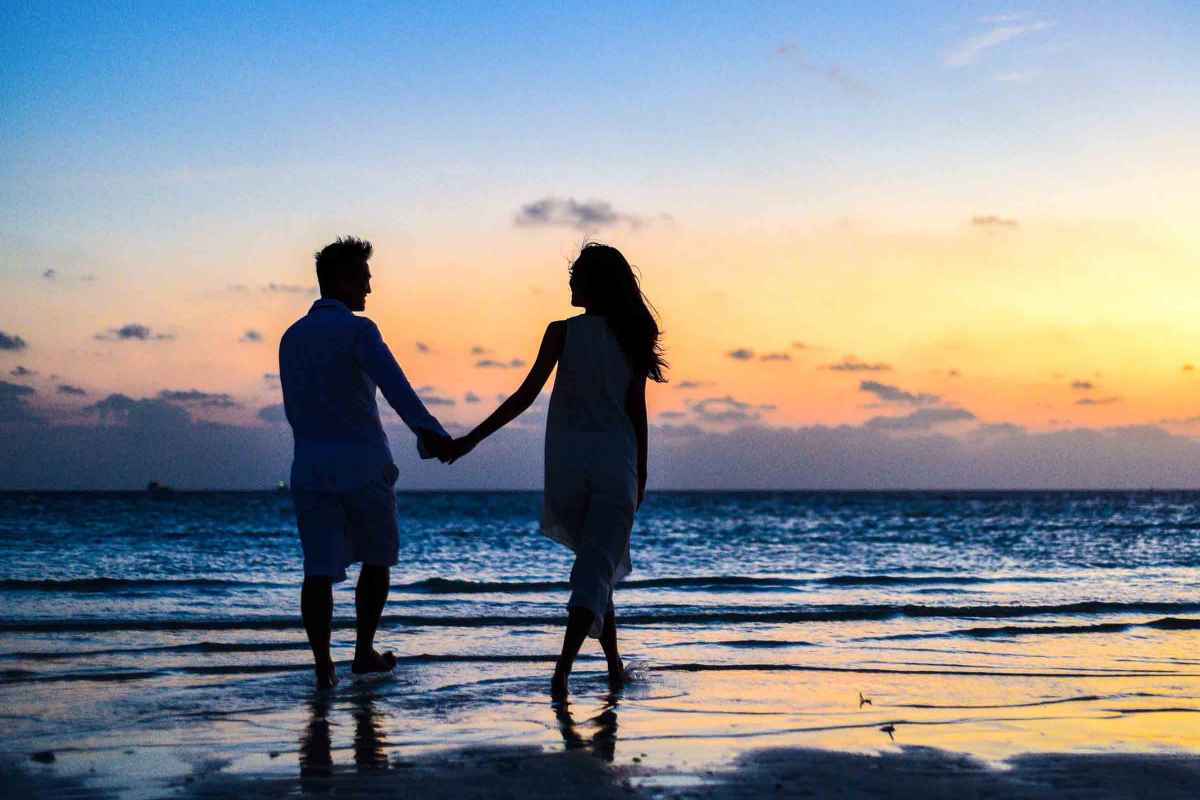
(520,772)
(734,733)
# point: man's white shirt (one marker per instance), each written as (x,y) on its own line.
(330,363)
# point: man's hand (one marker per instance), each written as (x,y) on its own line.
(437,445)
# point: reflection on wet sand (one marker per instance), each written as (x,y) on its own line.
(603,743)
(369,739)
(316,761)
(316,741)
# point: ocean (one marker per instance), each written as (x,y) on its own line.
(130,619)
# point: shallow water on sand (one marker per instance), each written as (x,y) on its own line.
(996,623)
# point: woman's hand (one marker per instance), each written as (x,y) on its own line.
(458,448)
(641,493)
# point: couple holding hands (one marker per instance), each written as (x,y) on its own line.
(343,475)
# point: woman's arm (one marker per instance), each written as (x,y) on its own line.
(635,406)
(510,409)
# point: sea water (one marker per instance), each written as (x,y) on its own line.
(131,617)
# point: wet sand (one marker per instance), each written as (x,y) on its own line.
(530,772)
(722,734)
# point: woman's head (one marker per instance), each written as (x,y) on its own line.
(603,282)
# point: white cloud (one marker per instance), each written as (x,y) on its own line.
(970,49)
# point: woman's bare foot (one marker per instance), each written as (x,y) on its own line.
(558,686)
(616,675)
(374,663)
(326,676)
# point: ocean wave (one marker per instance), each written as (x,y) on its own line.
(192,647)
(748,644)
(714,583)
(1083,698)
(991,673)
(921,580)
(119,675)
(1163,624)
(130,584)
(723,616)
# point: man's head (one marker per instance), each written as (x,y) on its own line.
(342,271)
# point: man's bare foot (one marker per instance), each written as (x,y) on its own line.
(558,687)
(374,663)
(326,676)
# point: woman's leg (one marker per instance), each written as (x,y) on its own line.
(602,547)
(579,622)
(608,640)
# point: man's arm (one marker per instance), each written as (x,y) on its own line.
(379,364)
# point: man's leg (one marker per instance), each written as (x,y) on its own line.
(321,524)
(372,526)
(316,608)
(369,600)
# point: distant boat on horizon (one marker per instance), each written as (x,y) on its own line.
(156,488)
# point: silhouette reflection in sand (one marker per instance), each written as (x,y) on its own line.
(316,741)
(603,741)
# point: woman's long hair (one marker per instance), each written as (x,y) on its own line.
(603,277)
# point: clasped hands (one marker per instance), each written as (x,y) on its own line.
(447,449)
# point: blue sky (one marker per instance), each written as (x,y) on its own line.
(999,193)
(744,98)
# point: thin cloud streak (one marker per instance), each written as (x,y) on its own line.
(491,363)
(920,420)
(991,221)
(833,74)
(727,409)
(133,332)
(852,364)
(970,49)
(198,398)
(894,394)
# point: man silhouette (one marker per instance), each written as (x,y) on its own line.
(343,476)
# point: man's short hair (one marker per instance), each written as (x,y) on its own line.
(346,254)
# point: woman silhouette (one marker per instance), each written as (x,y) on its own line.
(595,440)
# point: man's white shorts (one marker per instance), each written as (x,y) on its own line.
(338,529)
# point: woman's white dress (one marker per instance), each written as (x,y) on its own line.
(591,462)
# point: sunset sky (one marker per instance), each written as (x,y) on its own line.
(970,226)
